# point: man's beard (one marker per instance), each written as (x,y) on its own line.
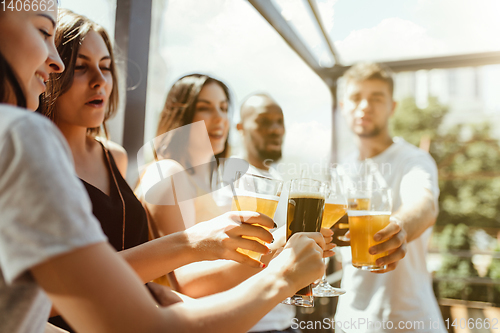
(274,155)
(374,132)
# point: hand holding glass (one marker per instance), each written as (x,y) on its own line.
(306,201)
(369,212)
(335,208)
(256,194)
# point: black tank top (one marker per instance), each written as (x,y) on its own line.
(109,211)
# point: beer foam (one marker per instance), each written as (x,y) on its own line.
(367,213)
(335,202)
(309,195)
(245,193)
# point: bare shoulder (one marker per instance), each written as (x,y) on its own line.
(167,165)
(119,155)
(160,170)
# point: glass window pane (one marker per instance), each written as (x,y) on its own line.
(100,11)
(231,41)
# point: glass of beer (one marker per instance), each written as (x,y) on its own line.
(306,202)
(256,194)
(369,212)
(335,209)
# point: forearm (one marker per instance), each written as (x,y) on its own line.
(238,309)
(160,256)
(416,217)
(209,277)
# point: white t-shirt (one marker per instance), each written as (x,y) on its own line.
(44,211)
(403,296)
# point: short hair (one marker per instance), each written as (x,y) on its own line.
(259,94)
(370,71)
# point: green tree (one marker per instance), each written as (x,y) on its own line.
(467,157)
(413,123)
(457,238)
(494,274)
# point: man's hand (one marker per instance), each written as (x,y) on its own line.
(393,238)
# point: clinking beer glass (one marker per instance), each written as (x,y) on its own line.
(369,212)
(306,202)
(256,194)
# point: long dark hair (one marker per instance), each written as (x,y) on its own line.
(10,84)
(71,31)
(179,110)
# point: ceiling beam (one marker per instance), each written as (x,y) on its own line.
(410,65)
(276,20)
(326,37)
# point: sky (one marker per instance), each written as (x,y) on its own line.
(231,41)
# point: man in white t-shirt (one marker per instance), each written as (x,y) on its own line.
(262,128)
(400,298)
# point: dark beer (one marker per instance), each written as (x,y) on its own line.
(305,213)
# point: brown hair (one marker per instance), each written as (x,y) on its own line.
(10,84)
(71,31)
(370,71)
(179,110)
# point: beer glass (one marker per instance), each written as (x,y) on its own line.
(335,209)
(369,212)
(256,194)
(306,201)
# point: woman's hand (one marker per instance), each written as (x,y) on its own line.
(300,262)
(220,237)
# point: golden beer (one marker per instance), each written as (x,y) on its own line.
(264,204)
(363,226)
(332,213)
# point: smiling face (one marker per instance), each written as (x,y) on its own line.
(212,107)
(367,107)
(27,43)
(84,104)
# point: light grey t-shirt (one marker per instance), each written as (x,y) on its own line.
(44,211)
(391,302)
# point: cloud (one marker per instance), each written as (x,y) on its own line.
(310,141)
(393,38)
(464,26)
(326,11)
(436,28)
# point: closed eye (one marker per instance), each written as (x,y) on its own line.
(45,33)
